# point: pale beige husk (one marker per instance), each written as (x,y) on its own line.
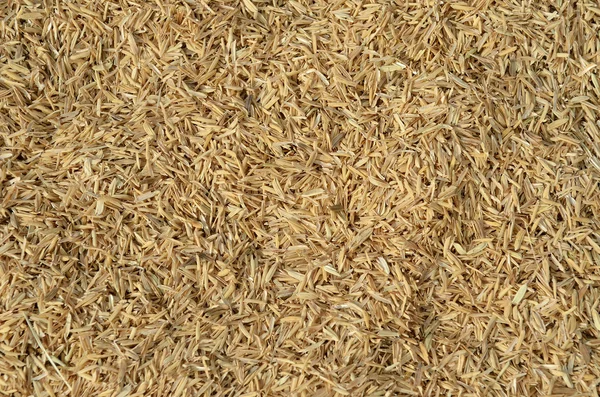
(299,198)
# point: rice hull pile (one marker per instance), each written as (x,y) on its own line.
(304,198)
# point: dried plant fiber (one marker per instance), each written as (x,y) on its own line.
(302,198)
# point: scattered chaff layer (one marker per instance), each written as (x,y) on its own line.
(299,198)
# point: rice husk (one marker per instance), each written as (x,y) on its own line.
(304,198)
